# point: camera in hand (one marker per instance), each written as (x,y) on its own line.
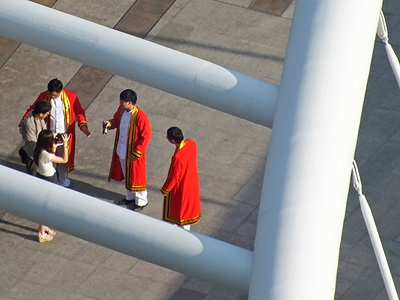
(58,139)
(105,126)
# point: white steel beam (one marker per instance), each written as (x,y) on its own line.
(125,231)
(140,60)
(311,149)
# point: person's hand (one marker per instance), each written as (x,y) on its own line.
(106,122)
(65,138)
(86,131)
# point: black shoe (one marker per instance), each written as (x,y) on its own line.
(125,202)
(136,207)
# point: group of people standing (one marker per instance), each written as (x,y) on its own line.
(48,129)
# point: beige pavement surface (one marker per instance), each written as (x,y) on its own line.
(236,34)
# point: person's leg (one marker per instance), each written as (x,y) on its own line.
(44,234)
(62,170)
(130,196)
(62,174)
(32,168)
(141,198)
(42,229)
(186,227)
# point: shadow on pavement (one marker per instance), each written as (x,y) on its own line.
(16,232)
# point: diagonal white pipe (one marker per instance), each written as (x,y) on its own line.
(374,236)
(383,34)
(140,60)
(125,231)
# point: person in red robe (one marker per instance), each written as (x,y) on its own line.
(129,154)
(66,110)
(181,188)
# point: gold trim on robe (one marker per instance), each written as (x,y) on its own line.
(135,175)
(67,119)
(167,217)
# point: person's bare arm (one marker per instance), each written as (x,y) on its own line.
(64,158)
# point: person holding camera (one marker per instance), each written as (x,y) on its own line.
(44,157)
(66,110)
(129,154)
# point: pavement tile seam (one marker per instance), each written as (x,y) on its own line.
(354,257)
(132,21)
(271,6)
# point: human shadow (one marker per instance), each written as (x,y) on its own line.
(13,165)
(18,233)
(76,185)
(94,191)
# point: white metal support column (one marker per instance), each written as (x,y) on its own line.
(311,150)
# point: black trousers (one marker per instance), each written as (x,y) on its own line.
(51,178)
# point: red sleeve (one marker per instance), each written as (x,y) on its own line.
(78,110)
(116,118)
(42,96)
(143,134)
(174,176)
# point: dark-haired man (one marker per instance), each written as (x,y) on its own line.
(30,130)
(181,188)
(129,154)
(65,111)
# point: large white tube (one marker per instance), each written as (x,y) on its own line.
(125,231)
(311,150)
(140,60)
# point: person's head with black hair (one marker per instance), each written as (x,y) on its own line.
(175,135)
(128,95)
(45,142)
(41,109)
(55,87)
(128,98)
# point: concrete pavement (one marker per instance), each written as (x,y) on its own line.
(248,36)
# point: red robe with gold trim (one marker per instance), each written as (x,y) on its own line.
(181,188)
(73,111)
(139,134)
